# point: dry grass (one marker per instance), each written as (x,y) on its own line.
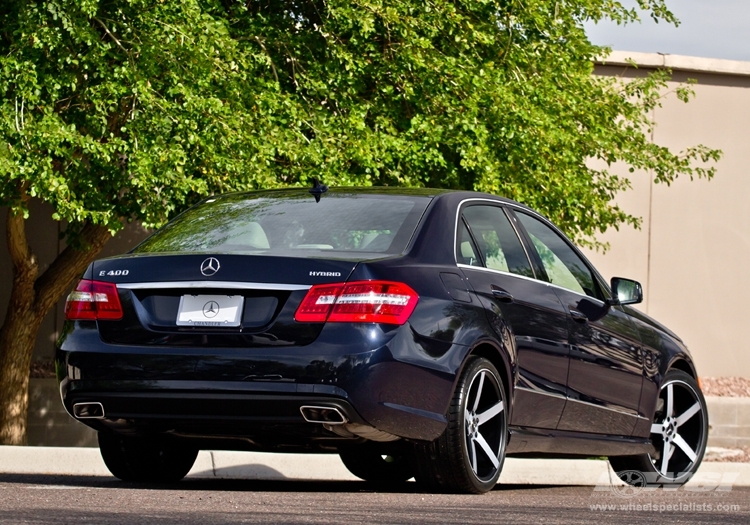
(734,455)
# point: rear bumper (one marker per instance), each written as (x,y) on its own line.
(264,420)
(256,394)
(202,403)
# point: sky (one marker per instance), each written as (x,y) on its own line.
(708,28)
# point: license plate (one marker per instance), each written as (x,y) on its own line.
(210,310)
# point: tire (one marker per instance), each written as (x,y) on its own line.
(371,464)
(468,457)
(146,460)
(679,433)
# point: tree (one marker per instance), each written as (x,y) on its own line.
(111,112)
(121,110)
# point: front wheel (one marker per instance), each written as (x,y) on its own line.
(469,455)
(151,460)
(679,434)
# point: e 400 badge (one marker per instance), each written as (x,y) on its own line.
(113,272)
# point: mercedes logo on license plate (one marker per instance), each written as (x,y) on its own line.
(211,309)
(210,266)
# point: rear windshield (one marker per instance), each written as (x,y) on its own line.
(275,223)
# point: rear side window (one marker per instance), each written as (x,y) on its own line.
(497,241)
(277,223)
(466,252)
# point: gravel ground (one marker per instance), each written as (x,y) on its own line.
(726,386)
(734,455)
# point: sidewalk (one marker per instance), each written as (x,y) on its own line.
(84,461)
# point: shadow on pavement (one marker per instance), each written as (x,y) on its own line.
(240,485)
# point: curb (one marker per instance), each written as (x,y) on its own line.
(84,461)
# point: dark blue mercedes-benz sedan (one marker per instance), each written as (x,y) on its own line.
(416,333)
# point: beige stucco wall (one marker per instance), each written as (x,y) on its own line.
(693,251)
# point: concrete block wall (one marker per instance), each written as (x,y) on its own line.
(729,422)
(49,424)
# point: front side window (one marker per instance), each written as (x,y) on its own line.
(563,266)
(497,241)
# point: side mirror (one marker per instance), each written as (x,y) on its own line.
(625,291)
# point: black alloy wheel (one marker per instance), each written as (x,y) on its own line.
(469,455)
(679,433)
(377,466)
(146,460)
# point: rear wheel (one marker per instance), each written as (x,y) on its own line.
(371,464)
(679,434)
(469,455)
(151,460)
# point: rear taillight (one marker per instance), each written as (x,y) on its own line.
(358,302)
(317,304)
(92,300)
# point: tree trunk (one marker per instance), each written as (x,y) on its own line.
(17,338)
(32,297)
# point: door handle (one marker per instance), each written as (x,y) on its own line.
(501,295)
(578,317)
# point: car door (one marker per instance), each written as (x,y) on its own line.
(605,375)
(494,261)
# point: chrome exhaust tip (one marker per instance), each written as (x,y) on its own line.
(88,411)
(325,415)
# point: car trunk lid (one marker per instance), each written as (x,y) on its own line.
(214,299)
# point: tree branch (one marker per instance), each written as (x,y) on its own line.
(24,261)
(68,266)
(113,37)
(270,58)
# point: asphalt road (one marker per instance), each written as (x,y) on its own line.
(102,500)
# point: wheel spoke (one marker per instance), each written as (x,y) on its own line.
(687,414)
(685,447)
(479,391)
(487,450)
(656,428)
(666,452)
(670,403)
(490,412)
(473,447)
(467,419)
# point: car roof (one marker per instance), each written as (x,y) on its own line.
(383,190)
(447,198)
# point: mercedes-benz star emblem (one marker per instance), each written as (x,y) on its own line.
(210,309)
(210,266)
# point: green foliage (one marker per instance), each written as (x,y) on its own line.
(119,110)
(131,109)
